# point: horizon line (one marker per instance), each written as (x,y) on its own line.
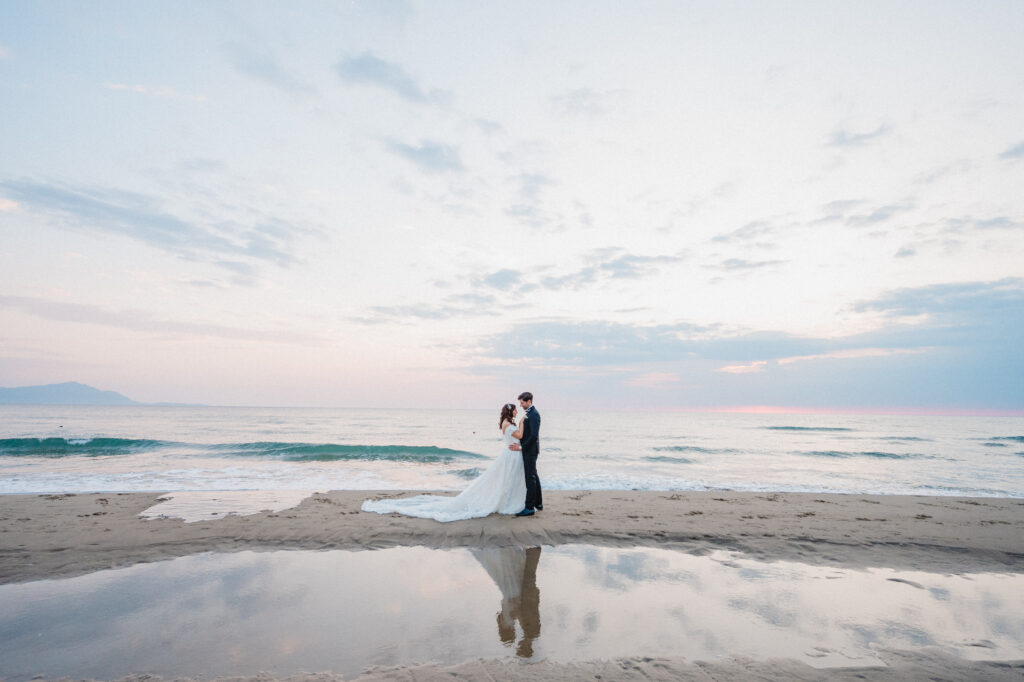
(719,409)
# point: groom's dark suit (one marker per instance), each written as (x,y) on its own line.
(530,442)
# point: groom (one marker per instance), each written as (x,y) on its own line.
(529,444)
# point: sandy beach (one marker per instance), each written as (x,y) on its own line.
(47,536)
(52,536)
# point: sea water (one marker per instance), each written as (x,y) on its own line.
(50,449)
(281,612)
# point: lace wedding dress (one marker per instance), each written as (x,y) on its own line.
(500,489)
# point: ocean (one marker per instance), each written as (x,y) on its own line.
(60,449)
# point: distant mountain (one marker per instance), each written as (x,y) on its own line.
(69,393)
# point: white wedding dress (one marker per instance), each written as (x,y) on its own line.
(500,489)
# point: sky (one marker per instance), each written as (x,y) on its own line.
(614,205)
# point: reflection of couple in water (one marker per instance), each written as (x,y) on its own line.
(514,570)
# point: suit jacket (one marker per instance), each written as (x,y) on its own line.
(530,441)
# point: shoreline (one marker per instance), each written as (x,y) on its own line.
(51,536)
(899,665)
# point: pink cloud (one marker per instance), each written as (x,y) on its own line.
(756,366)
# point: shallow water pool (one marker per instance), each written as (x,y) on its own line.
(288,611)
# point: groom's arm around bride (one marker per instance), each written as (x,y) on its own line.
(529,444)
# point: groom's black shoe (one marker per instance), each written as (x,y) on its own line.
(525,512)
(539,507)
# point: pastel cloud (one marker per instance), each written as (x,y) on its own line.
(429,156)
(847,138)
(740,264)
(946,326)
(748,368)
(586,101)
(141,218)
(852,353)
(144,321)
(369,69)
(1014,152)
(652,380)
(261,64)
(599,265)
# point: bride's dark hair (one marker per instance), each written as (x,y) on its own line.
(507,412)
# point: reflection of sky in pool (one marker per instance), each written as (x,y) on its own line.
(286,611)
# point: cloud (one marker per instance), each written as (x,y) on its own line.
(592,343)
(969,224)
(652,380)
(263,66)
(838,210)
(601,264)
(501,279)
(752,230)
(576,279)
(741,264)
(401,313)
(857,213)
(633,266)
(845,138)
(1015,152)
(368,69)
(528,207)
(7,204)
(952,344)
(432,157)
(878,214)
(962,303)
(143,321)
(488,127)
(4,52)
(960,167)
(531,184)
(756,366)
(609,263)
(467,304)
(852,353)
(162,91)
(957,314)
(138,217)
(585,102)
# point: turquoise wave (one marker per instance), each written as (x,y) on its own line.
(692,448)
(79,447)
(675,460)
(877,455)
(326,452)
(298,452)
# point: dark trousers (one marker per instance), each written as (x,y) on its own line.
(533,498)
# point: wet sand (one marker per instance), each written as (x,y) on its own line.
(47,536)
(901,665)
(51,536)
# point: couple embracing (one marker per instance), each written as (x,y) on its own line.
(510,485)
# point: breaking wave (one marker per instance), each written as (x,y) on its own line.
(296,452)
(78,447)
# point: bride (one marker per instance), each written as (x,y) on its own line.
(501,488)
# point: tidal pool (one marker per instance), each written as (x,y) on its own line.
(283,612)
